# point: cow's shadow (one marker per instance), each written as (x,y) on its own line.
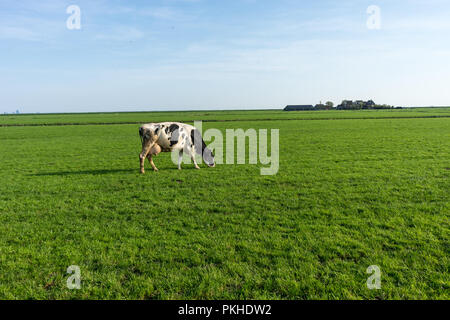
(106,171)
(85,172)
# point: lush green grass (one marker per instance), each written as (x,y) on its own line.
(349,194)
(139,117)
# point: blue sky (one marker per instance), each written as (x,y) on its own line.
(217,54)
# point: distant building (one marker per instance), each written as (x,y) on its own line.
(299,108)
(346,104)
(371,103)
(359,104)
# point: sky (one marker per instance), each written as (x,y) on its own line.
(217,54)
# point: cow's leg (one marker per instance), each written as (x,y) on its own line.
(149,146)
(150,158)
(180,159)
(145,151)
(195,161)
(154,151)
(142,162)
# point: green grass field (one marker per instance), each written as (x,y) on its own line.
(354,189)
(234,115)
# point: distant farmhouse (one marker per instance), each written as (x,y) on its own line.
(299,108)
(345,105)
(361,105)
(356,105)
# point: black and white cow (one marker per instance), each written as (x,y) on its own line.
(173,137)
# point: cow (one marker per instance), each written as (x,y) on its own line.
(172,137)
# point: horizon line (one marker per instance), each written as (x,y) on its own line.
(191,110)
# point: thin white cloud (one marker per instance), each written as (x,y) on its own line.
(18,33)
(160,13)
(122,33)
(415,24)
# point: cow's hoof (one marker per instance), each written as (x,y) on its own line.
(155,170)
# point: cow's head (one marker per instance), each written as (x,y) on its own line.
(208,157)
(144,134)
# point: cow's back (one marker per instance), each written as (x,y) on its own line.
(170,135)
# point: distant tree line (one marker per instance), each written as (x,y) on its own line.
(327,106)
(17,112)
(345,105)
(361,105)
